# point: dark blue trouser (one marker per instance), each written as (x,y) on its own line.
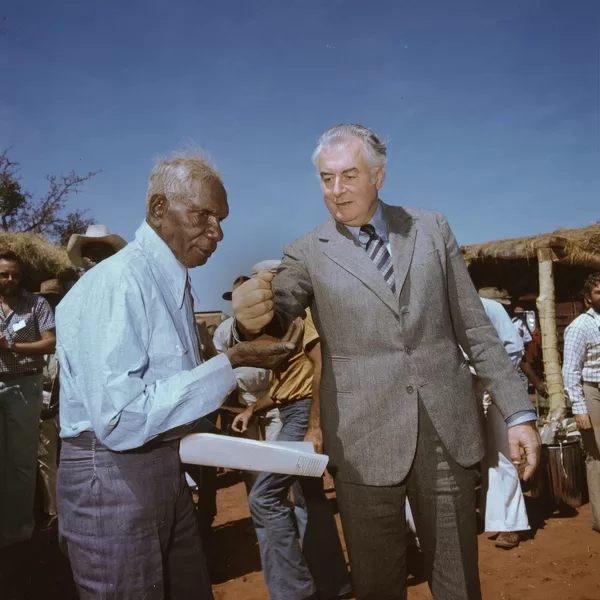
(128,523)
(293,572)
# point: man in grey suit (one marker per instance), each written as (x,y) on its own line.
(393,303)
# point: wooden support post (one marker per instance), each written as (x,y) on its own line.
(546,304)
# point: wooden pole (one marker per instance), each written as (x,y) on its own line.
(546,304)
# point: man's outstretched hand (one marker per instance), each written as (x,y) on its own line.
(253,304)
(265,353)
(524,443)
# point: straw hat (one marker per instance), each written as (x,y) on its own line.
(94,233)
(493,293)
(51,287)
(265,265)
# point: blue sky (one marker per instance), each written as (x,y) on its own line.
(490,108)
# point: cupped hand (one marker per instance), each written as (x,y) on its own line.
(268,354)
(525,445)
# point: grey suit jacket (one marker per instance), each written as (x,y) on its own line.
(383,351)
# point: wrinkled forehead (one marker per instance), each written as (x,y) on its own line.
(209,194)
(10,266)
(342,155)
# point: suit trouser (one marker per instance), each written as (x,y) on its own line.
(128,523)
(591,441)
(20,406)
(442,499)
(293,571)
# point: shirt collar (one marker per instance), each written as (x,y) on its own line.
(594,314)
(378,221)
(170,268)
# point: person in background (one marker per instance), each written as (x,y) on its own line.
(527,369)
(97,244)
(52,290)
(581,373)
(133,383)
(253,384)
(524,369)
(503,504)
(316,567)
(27,333)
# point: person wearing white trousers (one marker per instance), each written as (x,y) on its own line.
(502,501)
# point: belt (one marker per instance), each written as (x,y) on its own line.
(592,383)
(13,376)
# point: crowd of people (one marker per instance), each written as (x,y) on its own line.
(368,339)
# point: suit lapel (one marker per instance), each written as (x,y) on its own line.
(402,232)
(339,245)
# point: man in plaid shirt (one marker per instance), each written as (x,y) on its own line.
(581,372)
(26,335)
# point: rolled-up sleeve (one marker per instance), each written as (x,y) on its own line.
(574,356)
(109,360)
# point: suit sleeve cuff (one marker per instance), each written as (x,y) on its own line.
(523,416)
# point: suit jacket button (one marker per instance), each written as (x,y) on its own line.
(408,350)
(410,389)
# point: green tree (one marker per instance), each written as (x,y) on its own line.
(20,212)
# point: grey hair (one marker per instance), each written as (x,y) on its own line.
(180,176)
(374,149)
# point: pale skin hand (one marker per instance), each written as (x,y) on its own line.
(241,421)
(583,421)
(524,443)
(253,304)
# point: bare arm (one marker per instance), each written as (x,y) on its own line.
(537,383)
(47,345)
(241,421)
(313,433)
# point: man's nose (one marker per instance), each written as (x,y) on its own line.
(338,188)
(216,232)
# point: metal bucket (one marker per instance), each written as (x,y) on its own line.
(564,472)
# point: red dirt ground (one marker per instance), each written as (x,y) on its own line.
(561,561)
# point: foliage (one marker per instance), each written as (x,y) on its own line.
(20,212)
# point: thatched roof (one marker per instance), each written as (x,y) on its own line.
(579,247)
(41,259)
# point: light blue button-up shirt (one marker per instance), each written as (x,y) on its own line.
(129,352)
(378,221)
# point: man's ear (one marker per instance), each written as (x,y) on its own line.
(379,179)
(157,208)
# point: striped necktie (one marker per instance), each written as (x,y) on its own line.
(378,253)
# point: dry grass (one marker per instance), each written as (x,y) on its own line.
(41,259)
(572,246)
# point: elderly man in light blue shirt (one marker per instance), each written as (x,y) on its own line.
(132,383)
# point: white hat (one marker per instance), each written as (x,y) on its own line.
(94,233)
(265,265)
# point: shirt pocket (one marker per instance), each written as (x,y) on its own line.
(169,357)
(337,374)
(26,330)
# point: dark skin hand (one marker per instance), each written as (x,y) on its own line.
(266,354)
